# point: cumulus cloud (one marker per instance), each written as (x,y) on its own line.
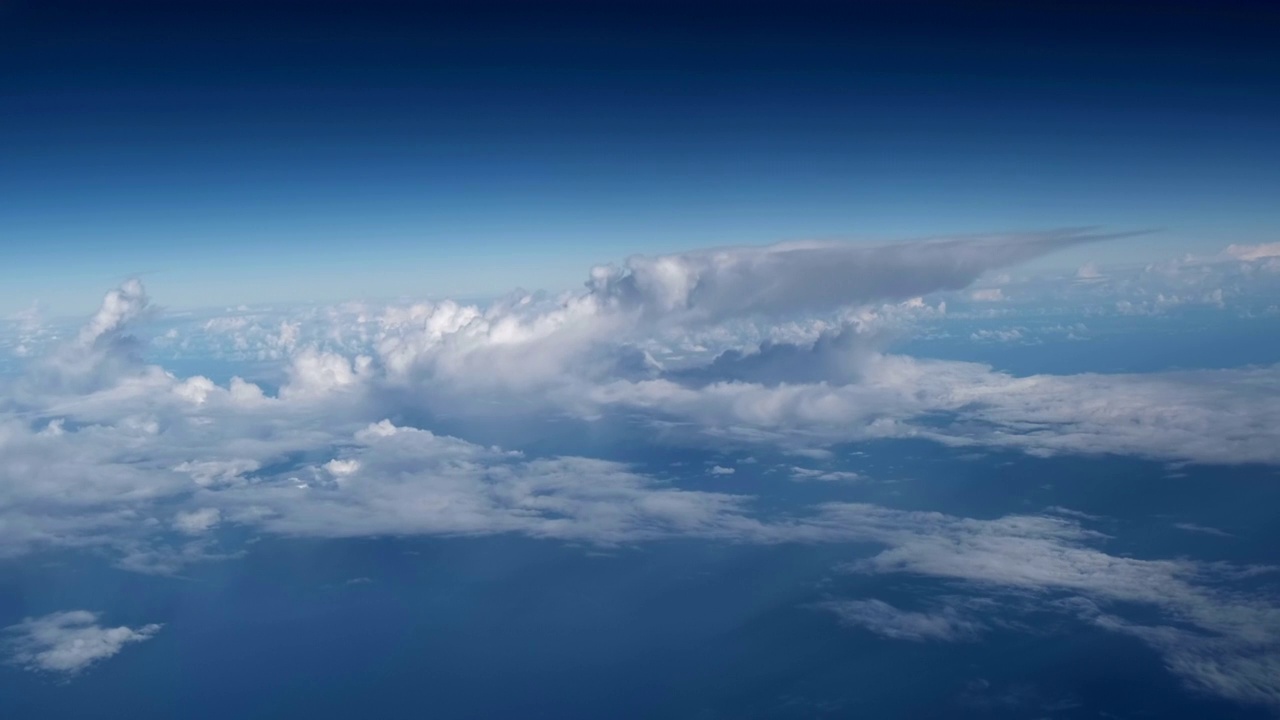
(403,481)
(124,462)
(661,340)
(104,349)
(119,308)
(197,521)
(69,642)
(85,462)
(783,345)
(1088,272)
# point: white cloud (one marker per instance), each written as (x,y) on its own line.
(197,521)
(1089,272)
(802,474)
(207,473)
(120,462)
(1207,416)
(69,642)
(1213,632)
(719,470)
(715,285)
(1253,252)
(884,619)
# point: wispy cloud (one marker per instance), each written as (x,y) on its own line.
(884,619)
(69,642)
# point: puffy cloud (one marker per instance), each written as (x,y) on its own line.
(119,308)
(1088,272)
(89,462)
(314,374)
(206,473)
(104,349)
(69,642)
(1253,252)
(197,521)
(403,481)
(1212,631)
(779,345)
(1208,416)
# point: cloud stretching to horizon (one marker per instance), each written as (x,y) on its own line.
(104,450)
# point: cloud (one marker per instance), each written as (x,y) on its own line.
(716,285)
(1206,416)
(120,307)
(803,474)
(89,464)
(1253,252)
(1088,272)
(91,451)
(123,462)
(405,481)
(69,642)
(1213,632)
(884,619)
(781,346)
(197,521)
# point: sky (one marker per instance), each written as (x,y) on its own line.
(698,360)
(283,152)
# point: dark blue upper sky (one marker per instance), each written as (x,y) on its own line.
(300,151)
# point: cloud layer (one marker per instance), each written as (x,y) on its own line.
(781,347)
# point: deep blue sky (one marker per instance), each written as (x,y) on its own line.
(311,151)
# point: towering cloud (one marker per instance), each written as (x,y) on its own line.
(727,283)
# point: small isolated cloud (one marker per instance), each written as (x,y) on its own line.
(1203,529)
(342,468)
(69,642)
(1088,272)
(1217,636)
(1010,335)
(720,470)
(802,474)
(884,619)
(1253,252)
(197,521)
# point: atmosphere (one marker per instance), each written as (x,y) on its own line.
(310,151)
(628,360)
